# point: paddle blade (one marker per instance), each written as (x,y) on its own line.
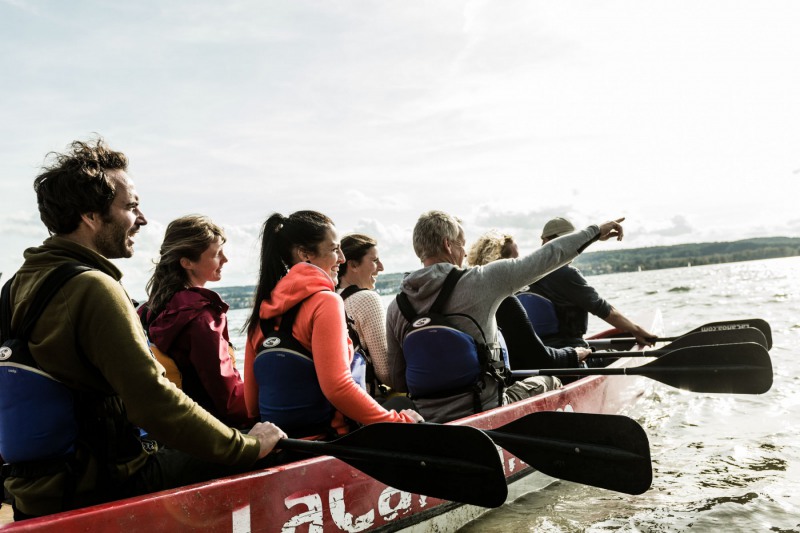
(693,340)
(743,368)
(457,463)
(606,451)
(729,325)
(725,336)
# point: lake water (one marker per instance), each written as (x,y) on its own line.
(720,462)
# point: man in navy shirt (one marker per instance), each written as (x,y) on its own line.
(574,299)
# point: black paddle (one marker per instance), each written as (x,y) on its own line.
(607,451)
(699,338)
(743,368)
(729,325)
(456,463)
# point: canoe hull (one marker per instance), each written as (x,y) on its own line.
(325,494)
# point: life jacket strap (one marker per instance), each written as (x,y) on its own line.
(49,287)
(40,467)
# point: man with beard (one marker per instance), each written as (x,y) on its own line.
(90,339)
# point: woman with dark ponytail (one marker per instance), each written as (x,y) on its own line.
(187,322)
(309,390)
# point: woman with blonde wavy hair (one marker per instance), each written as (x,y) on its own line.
(188,322)
(525,348)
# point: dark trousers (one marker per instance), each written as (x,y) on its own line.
(169,469)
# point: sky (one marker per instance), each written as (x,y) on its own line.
(682,116)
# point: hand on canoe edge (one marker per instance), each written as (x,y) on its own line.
(611,229)
(268,435)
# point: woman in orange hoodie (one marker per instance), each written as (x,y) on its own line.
(310,389)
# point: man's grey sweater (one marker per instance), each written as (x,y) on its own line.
(478,294)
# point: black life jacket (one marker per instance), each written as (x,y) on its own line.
(362,368)
(45,426)
(441,360)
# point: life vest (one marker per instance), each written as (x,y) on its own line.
(38,418)
(503,349)
(558,320)
(541,313)
(42,421)
(362,368)
(289,394)
(173,373)
(441,360)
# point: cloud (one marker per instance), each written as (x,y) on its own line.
(21,224)
(491,216)
(23,5)
(680,226)
(359,201)
(505,114)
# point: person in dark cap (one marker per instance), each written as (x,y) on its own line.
(573,299)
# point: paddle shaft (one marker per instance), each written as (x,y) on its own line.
(562,446)
(643,370)
(407,459)
(626,341)
(740,368)
(720,328)
(698,338)
(642,353)
(314,447)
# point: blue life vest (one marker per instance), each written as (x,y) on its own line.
(541,312)
(47,428)
(289,394)
(503,349)
(441,360)
(359,368)
(37,412)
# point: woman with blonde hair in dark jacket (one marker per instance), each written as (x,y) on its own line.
(525,349)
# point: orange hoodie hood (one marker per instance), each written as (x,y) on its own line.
(302,280)
(321,328)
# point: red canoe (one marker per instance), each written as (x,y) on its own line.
(324,494)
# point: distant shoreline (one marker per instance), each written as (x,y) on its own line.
(681,255)
(610,262)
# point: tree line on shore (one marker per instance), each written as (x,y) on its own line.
(681,255)
(609,262)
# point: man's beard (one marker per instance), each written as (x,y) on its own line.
(112,240)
